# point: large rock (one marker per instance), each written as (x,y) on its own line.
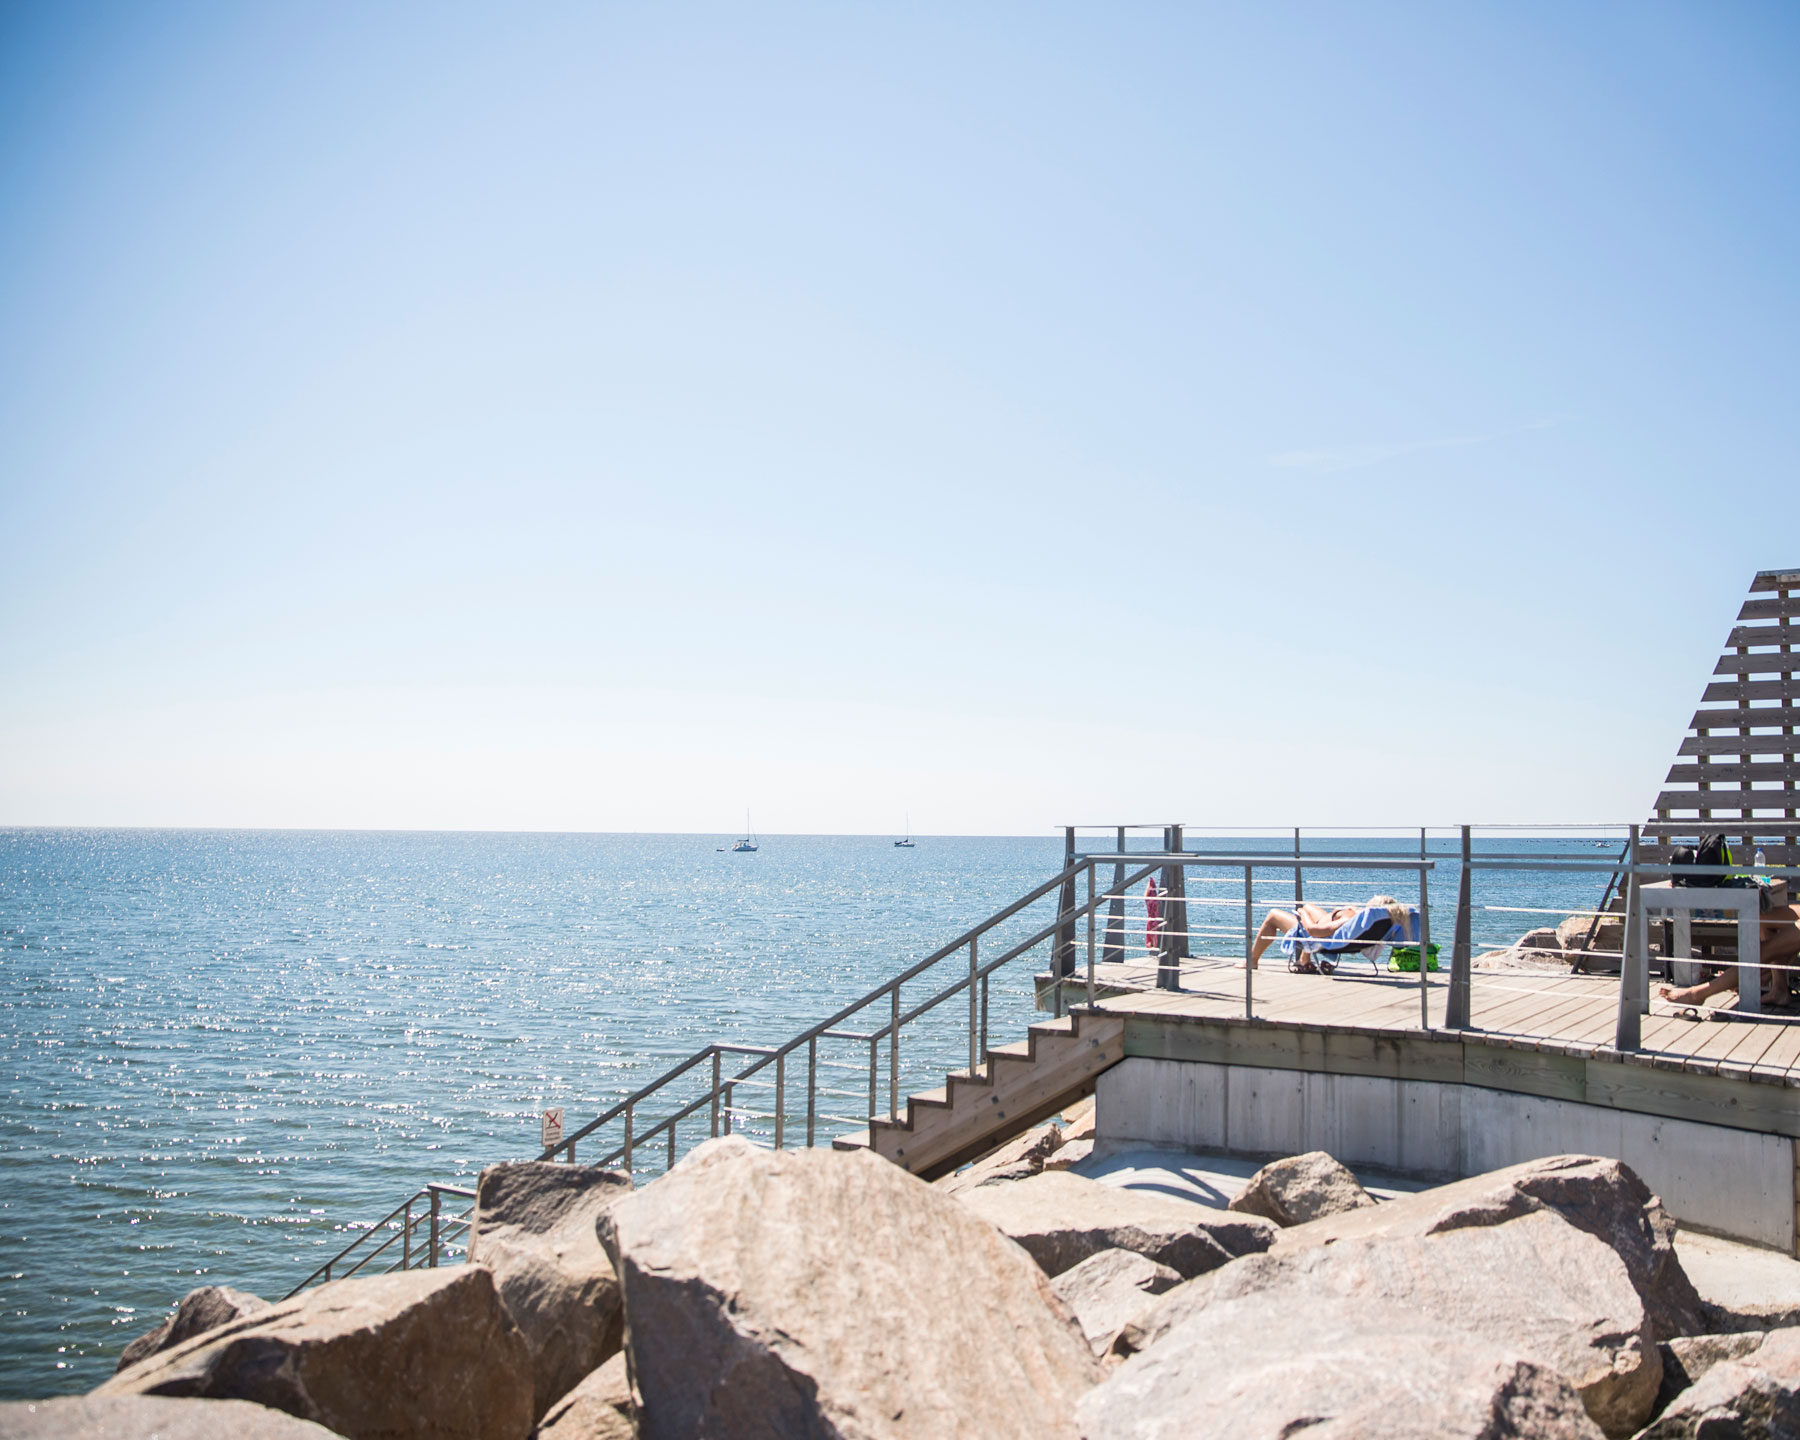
(1603,1197)
(140,1417)
(1018,1159)
(1080,1120)
(1572,934)
(425,1353)
(1062,1218)
(200,1310)
(1287,1364)
(1755,1398)
(1108,1290)
(1535,1285)
(1596,954)
(599,1408)
(1302,1188)
(1687,1358)
(534,1229)
(1070,1154)
(817,1293)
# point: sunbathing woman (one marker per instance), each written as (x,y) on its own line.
(1780,944)
(1322,924)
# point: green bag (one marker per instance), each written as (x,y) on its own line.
(1403,958)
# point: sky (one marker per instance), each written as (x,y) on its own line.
(614,418)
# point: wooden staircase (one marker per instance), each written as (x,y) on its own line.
(1055,1065)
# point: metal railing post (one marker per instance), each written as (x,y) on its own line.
(874,1085)
(1629,1034)
(437,1202)
(780,1097)
(812,1087)
(672,1124)
(1114,950)
(1424,941)
(1299,892)
(974,1011)
(628,1139)
(406,1229)
(728,1099)
(984,1018)
(1090,937)
(1176,904)
(1062,955)
(715,1094)
(1249,944)
(1168,951)
(894,1056)
(1456,1009)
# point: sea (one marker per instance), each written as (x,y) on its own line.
(226,1051)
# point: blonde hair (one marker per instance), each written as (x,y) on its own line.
(1399,914)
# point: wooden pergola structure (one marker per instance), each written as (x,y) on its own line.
(1735,772)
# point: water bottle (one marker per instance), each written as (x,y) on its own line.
(1760,860)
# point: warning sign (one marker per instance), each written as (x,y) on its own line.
(552,1119)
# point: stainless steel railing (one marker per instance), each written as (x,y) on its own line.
(395,1241)
(723,1079)
(1169,950)
(873,1026)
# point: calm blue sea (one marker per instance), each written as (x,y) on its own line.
(223,1047)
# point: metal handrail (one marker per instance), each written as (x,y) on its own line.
(889,990)
(719,1094)
(566,1145)
(441,1228)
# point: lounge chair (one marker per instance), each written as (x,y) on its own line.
(1310,954)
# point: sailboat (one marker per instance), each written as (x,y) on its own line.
(746,846)
(907,843)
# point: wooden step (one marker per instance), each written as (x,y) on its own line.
(1023,1083)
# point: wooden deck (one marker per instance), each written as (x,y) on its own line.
(1553,1014)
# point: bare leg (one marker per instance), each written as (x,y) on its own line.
(1780,945)
(1695,994)
(1278,923)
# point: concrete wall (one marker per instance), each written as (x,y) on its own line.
(1736,1182)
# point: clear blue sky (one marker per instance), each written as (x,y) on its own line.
(603,417)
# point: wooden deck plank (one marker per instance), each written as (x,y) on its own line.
(1566,1014)
(1564,1010)
(1747,1054)
(1695,1045)
(1342,1002)
(1597,1028)
(1728,1037)
(1783,1057)
(1516,1002)
(1530,1009)
(1525,1020)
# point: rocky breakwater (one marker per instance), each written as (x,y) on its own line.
(750,1294)
(480,1351)
(1550,1282)
(534,1231)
